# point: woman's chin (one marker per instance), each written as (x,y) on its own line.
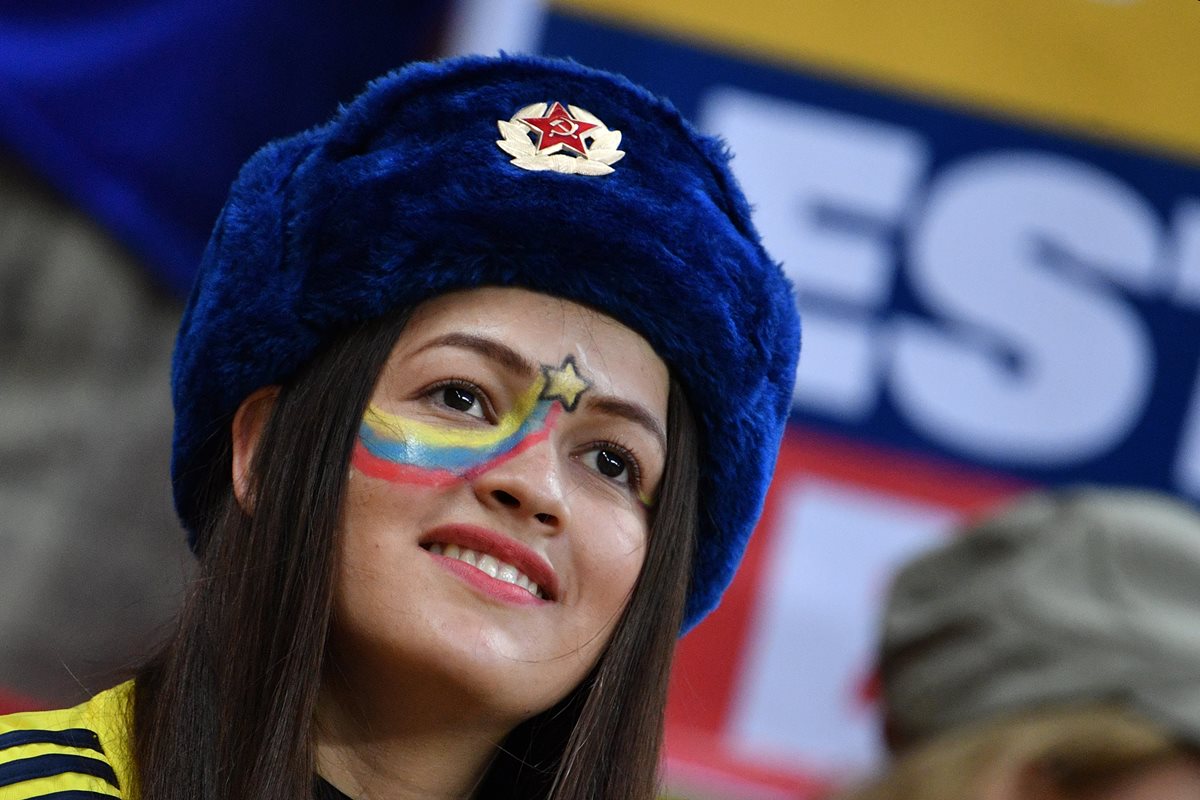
(465,666)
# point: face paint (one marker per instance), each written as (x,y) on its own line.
(647,500)
(407,451)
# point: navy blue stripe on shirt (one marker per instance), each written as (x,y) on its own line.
(72,737)
(27,769)
(75,794)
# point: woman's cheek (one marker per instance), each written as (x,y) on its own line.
(615,560)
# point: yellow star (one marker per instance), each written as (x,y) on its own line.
(563,383)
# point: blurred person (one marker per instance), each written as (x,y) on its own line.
(121,126)
(1049,652)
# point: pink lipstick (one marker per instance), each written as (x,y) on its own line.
(493,563)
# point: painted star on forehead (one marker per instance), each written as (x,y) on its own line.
(564,384)
(558,130)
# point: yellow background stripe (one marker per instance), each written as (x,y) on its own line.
(1118,69)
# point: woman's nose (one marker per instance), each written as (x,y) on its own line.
(529,485)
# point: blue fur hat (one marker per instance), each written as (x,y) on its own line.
(430,181)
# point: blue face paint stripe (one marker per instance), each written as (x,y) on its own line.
(409,451)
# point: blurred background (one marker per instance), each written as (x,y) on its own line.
(991,213)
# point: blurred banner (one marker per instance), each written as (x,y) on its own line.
(991,213)
(992,217)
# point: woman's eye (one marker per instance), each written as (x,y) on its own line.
(610,463)
(462,399)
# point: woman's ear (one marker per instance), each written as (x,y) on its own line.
(248,423)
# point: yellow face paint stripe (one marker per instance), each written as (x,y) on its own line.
(430,434)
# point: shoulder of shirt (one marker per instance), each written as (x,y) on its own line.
(80,753)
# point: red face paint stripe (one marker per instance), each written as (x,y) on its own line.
(529,441)
(374,467)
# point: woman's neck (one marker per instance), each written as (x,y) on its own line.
(398,748)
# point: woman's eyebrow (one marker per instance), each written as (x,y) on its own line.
(514,361)
(614,406)
(490,348)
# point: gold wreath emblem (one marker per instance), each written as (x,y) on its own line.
(601,152)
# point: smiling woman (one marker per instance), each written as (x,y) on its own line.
(493,530)
(474,416)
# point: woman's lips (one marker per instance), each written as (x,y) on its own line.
(493,563)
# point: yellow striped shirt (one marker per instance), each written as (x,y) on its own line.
(79,753)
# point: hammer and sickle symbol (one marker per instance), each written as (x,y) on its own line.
(564,127)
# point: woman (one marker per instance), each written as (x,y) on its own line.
(477,397)
(1048,653)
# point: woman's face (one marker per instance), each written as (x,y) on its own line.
(498,500)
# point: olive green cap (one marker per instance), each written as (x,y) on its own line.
(1076,596)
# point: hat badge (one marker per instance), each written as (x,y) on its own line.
(569,140)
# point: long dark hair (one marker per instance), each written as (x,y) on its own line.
(225,708)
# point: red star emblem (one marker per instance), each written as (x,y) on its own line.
(558,130)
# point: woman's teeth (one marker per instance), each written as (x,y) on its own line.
(500,570)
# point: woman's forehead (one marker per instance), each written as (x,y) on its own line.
(494,302)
